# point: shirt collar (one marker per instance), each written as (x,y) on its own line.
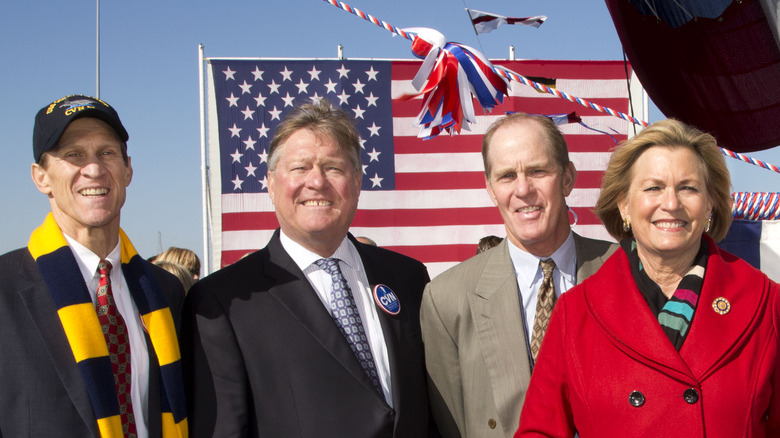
(527,265)
(88,261)
(304,258)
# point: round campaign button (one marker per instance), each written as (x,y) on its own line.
(386,299)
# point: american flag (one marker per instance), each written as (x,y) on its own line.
(423,198)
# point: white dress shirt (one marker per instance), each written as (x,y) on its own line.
(352,268)
(529,276)
(88,263)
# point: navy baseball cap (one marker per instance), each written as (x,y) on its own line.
(52,120)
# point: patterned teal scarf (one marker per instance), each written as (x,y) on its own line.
(675,314)
(79,319)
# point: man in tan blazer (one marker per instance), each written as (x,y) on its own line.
(479,317)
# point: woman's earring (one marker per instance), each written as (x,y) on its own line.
(626,224)
(708,224)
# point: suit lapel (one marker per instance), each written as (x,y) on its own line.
(590,256)
(496,310)
(44,316)
(392,329)
(300,299)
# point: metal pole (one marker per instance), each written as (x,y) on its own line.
(97,52)
(204,164)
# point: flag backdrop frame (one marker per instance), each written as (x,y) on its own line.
(636,103)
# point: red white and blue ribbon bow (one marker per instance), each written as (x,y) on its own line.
(449,75)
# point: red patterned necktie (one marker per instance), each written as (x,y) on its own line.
(115,332)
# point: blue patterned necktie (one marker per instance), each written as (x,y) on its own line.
(345,313)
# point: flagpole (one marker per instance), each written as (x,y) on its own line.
(97,51)
(472,23)
(203,163)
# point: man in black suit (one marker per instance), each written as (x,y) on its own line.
(89,342)
(316,334)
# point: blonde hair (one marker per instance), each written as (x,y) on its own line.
(672,134)
(181,256)
(182,273)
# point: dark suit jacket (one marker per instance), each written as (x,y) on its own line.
(42,393)
(268,360)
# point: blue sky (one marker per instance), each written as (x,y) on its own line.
(149,72)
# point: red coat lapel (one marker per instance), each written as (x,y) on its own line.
(619,308)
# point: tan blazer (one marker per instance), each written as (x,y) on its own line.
(475,348)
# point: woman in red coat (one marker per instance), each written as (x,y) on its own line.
(672,337)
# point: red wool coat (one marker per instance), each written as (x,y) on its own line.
(606,368)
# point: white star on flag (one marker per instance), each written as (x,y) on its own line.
(250,170)
(358,86)
(344,97)
(288,100)
(229,74)
(250,144)
(302,86)
(258,74)
(237,183)
(263,156)
(372,74)
(248,113)
(275,113)
(286,74)
(245,88)
(314,73)
(376,181)
(374,129)
(233,100)
(260,100)
(371,99)
(331,86)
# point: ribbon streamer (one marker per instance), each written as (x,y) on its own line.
(448,67)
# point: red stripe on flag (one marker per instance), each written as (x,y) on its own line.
(396,218)
(473,180)
(437,253)
(545,104)
(560,69)
(473,143)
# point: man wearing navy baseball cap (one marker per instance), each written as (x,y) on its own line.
(89,327)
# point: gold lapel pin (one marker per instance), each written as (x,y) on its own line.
(721,306)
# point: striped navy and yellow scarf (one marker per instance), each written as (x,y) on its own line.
(675,314)
(76,310)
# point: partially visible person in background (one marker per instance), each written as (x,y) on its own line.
(182,256)
(183,274)
(672,336)
(488,242)
(366,240)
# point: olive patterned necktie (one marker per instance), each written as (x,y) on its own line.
(544,305)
